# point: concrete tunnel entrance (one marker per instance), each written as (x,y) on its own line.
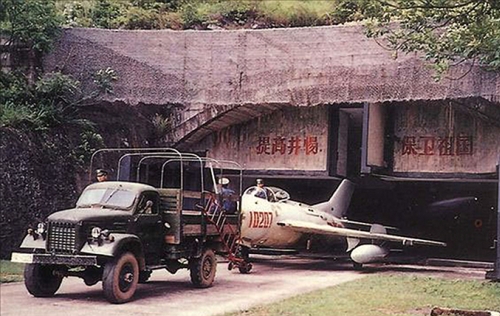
(428,168)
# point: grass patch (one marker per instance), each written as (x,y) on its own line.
(388,295)
(11,271)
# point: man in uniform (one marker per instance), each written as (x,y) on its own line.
(102,175)
(261,192)
(227,196)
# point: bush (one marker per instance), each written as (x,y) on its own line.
(194,15)
(90,142)
(14,87)
(105,13)
(77,14)
(52,101)
(162,125)
(21,116)
(104,78)
(139,18)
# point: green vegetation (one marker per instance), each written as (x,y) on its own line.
(10,271)
(203,14)
(50,102)
(34,23)
(445,31)
(388,295)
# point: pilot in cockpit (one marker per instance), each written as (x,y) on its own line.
(261,192)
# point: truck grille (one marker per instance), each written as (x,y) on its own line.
(62,237)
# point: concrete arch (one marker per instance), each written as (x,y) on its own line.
(216,118)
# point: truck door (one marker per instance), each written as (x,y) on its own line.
(149,226)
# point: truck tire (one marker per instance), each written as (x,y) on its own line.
(120,278)
(202,269)
(243,253)
(40,280)
(246,268)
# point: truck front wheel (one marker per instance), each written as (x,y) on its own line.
(40,280)
(203,269)
(120,278)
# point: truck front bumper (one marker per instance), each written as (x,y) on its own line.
(71,260)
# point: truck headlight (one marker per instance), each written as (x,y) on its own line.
(101,235)
(96,232)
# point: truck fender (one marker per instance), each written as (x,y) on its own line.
(30,242)
(113,248)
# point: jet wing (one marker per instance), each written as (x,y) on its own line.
(306,227)
(361,224)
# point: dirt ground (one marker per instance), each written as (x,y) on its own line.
(273,279)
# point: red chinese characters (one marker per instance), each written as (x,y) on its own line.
(293,145)
(437,145)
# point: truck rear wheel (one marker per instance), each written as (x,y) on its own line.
(203,269)
(40,280)
(120,278)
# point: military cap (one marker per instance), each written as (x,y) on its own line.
(101,172)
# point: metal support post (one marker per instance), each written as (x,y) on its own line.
(495,273)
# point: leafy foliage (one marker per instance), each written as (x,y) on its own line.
(32,22)
(105,13)
(21,116)
(46,104)
(104,78)
(162,125)
(203,14)
(90,142)
(446,31)
(52,101)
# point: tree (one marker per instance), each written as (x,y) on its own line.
(31,22)
(447,32)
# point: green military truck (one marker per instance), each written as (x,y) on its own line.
(169,217)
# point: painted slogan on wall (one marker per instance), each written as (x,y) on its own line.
(288,139)
(437,145)
(442,138)
(293,145)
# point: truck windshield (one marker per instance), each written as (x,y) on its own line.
(113,198)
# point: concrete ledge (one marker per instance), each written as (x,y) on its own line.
(437,311)
(459,263)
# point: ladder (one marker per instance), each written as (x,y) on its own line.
(229,237)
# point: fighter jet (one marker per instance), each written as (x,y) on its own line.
(271,220)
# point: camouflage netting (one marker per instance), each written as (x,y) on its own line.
(37,179)
(300,66)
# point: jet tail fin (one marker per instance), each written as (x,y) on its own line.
(339,202)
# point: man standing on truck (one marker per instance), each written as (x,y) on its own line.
(227,197)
